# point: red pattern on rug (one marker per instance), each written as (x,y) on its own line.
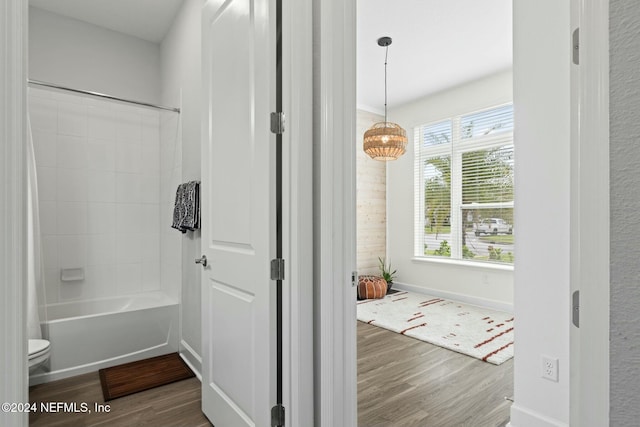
(493,353)
(475,331)
(493,338)
(413,327)
(430,302)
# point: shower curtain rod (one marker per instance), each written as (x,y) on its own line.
(102,95)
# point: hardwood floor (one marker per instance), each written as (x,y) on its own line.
(402,382)
(406,382)
(172,405)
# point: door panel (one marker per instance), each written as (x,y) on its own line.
(238,196)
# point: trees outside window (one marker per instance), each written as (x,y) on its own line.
(464,187)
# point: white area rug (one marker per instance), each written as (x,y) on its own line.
(477,332)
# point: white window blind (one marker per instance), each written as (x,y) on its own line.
(464,187)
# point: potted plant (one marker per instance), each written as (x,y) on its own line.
(386,273)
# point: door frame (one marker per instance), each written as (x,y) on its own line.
(334,124)
(297,212)
(334,106)
(333,323)
(13,203)
(590,264)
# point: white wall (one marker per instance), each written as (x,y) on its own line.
(542,140)
(84,56)
(170,178)
(491,286)
(624,27)
(181,85)
(371,201)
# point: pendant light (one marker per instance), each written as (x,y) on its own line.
(385,140)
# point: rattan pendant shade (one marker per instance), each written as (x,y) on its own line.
(385,141)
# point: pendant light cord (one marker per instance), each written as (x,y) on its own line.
(386,53)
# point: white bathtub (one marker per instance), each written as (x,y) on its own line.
(90,335)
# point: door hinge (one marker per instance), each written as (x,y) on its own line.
(277,269)
(277,123)
(575,309)
(277,416)
(575,45)
(354,278)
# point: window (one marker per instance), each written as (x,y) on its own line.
(464,187)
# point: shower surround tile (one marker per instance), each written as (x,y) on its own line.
(50,252)
(47,183)
(72,185)
(128,249)
(99,169)
(151,214)
(129,125)
(101,186)
(150,188)
(72,119)
(101,155)
(129,217)
(71,152)
(101,218)
(45,148)
(48,218)
(72,251)
(101,123)
(128,157)
(150,248)
(151,153)
(150,276)
(52,285)
(72,218)
(128,188)
(102,279)
(129,278)
(101,250)
(43,114)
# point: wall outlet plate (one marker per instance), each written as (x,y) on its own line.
(549,368)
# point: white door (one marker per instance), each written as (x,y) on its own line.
(238,215)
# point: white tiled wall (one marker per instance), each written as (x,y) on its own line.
(170,178)
(99,183)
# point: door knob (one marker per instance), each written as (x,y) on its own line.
(202,260)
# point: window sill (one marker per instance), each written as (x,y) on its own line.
(461,263)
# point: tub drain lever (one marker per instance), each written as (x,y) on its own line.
(202,260)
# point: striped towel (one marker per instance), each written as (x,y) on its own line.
(186,211)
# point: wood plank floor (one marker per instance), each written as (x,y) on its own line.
(172,405)
(401,382)
(406,382)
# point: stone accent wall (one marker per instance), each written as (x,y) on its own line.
(371,199)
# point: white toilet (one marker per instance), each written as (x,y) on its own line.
(38,353)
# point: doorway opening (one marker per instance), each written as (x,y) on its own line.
(108,173)
(454,60)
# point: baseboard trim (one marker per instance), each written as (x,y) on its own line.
(39,377)
(467,299)
(523,417)
(191,358)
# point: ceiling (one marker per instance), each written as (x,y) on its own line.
(146,19)
(437,44)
